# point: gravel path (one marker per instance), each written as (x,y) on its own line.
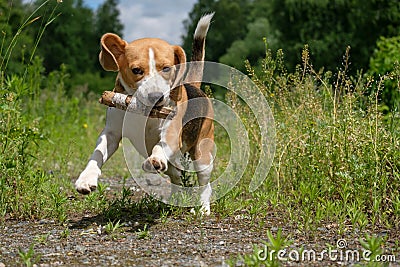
(170,244)
(167,241)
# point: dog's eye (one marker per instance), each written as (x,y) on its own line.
(137,71)
(166,69)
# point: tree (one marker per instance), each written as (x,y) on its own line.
(107,19)
(386,60)
(328,27)
(251,47)
(70,39)
(227,26)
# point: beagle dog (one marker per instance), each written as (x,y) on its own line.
(153,70)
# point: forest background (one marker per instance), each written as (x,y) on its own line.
(371,28)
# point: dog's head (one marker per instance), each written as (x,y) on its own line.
(146,66)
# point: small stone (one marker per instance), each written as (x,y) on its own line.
(111,258)
(239,217)
(80,248)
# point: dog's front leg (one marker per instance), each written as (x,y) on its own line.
(107,144)
(166,150)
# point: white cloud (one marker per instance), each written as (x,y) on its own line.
(154,18)
(150,18)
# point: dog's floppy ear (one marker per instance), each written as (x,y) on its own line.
(112,48)
(180,62)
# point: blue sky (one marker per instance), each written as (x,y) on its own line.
(151,18)
(93,3)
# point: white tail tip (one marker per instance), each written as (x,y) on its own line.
(202,26)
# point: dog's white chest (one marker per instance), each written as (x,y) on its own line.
(143,132)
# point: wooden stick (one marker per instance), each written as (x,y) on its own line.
(129,103)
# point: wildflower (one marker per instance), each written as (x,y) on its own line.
(59,1)
(85,125)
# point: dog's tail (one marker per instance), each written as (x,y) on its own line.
(195,71)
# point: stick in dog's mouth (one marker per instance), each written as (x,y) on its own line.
(131,104)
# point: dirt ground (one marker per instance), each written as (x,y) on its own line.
(169,242)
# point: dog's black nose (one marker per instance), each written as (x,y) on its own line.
(156,98)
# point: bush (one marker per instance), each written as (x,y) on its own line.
(385,61)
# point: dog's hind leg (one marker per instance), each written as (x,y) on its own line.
(107,144)
(175,175)
(203,156)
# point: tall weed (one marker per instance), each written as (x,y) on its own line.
(336,151)
(34,113)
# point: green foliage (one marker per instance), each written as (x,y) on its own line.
(265,255)
(328,27)
(70,38)
(29,258)
(106,19)
(373,244)
(143,233)
(21,133)
(386,61)
(335,151)
(73,38)
(386,54)
(31,116)
(68,34)
(112,227)
(226,29)
(250,48)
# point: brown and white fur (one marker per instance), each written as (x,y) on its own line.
(148,67)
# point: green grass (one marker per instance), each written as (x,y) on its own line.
(29,257)
(337,157)
(265,255)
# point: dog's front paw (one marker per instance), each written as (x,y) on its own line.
(87,182)
(155,165)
